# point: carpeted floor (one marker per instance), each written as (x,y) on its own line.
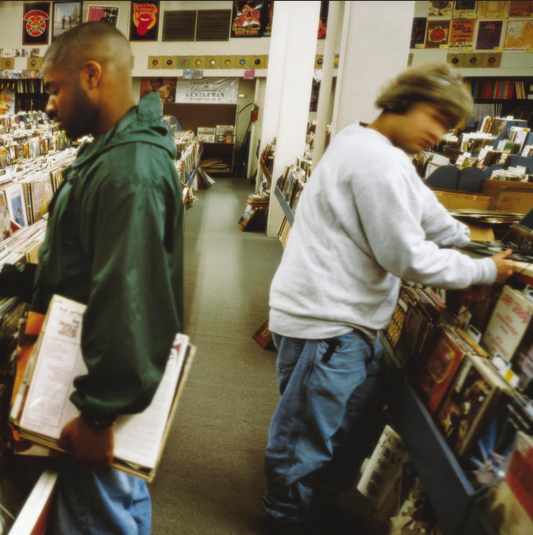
(211,479)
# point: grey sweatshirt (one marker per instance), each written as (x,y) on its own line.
(365,220)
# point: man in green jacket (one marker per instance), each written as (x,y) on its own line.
(114,242)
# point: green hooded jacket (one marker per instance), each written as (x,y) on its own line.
(115,243)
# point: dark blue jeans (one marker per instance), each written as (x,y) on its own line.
(329,414)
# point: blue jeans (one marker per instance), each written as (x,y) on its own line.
(329,414)
(99,503)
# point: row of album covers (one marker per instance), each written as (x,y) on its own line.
(40,20)
(470,354)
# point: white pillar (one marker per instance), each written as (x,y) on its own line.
(252,160)
(324,95)
(288,91)
(374,49)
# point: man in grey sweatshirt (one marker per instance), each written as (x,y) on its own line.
(365,220)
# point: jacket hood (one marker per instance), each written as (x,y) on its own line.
(141,124)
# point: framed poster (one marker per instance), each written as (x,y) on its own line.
(144,21)
(418,32)
(493,10)
(464,10)
(67,15)
(521,9)
(36,23)
(323,20)
(462,33)
(164,87)
(267,14)
(438,32)
(489,34)
(519,35)
(440,9)
(103,13)
(246,21)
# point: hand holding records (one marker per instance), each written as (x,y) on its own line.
(504,267)
(41,407)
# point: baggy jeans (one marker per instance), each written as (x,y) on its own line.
(329,415)
(106,502)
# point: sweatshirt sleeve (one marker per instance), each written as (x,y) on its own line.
(440,227)
(390,212)
(131,317)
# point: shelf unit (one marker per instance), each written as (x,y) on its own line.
(191,116)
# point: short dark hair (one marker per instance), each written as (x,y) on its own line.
(75,46)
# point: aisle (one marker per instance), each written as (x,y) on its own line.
(211,477)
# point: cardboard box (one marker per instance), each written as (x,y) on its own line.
(515,200)
(454,200)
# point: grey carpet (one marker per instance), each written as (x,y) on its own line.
(210,479)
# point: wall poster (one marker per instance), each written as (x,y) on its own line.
(67,15)
(246,19)
(144,21)
(164,87)
(36,23)
(106,13)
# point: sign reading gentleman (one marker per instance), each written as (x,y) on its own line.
(36,23)
(208,90)
(144,21)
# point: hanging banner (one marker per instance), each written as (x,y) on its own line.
(36,23)
(246,19)
(208,90)
(144,21)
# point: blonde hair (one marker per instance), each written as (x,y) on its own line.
(434,83)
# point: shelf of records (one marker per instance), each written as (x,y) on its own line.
(188,165)
(465,389)
(255,215)
(490,146)
(28,135)
(288,190)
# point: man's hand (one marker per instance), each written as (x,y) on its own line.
(90,447)
(504,267)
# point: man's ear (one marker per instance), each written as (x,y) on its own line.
(91,74)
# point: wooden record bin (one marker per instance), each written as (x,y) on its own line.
(191,116)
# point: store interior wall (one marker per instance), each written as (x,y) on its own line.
(513,63)
(11,37)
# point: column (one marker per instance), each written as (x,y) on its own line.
(288,90)
(374,49)
(324,95)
